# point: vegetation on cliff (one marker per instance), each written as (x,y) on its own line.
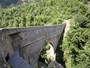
(76,44)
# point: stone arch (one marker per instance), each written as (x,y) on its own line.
(32,43)
(42,61)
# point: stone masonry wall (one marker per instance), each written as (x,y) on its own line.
(30,41)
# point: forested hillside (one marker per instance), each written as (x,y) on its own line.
(76,45)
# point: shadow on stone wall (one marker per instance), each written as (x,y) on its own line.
(59,52)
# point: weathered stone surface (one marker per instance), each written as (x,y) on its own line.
(18,62)
(30,41)
(54,64)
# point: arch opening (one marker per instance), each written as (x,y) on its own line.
(47,55)
(7,57)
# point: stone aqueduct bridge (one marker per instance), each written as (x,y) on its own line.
(29,41)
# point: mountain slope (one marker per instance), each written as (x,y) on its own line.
(76,43)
